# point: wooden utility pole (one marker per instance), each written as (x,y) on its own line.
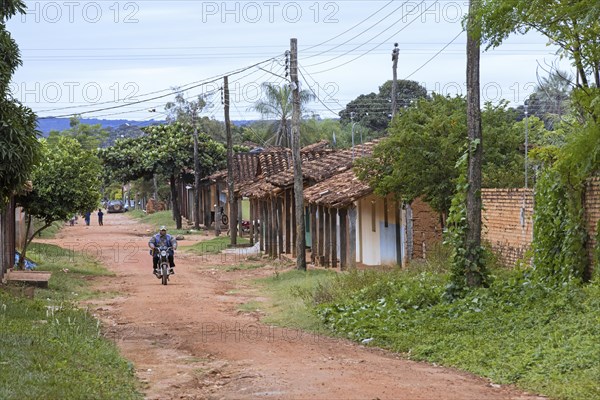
(196,171)
(298,181)
(398,221)
(394,77)
(230,195)
(474,278)
(233,204)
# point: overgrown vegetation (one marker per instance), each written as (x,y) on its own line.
(468,268)
(51,349)
(517,331)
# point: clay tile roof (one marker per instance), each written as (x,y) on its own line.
(338,191)
(325,165)
(274,161)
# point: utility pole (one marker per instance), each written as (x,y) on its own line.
(298,181)
(230,195)
(196,171)
(407,212)
(395,53)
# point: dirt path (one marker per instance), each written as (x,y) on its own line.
(188,340)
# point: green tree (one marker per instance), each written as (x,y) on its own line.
(277,103)
(418,157)
(64,183)
(19,147)
(574,26)
(90,137)
(165,150)
(425,142)
(550,99)
(373,111)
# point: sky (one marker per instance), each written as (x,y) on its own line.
(112,59)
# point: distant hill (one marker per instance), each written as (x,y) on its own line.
(60,124)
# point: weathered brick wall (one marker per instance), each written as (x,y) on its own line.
(427,230)
(503,223)
(592,214)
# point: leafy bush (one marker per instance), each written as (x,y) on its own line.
(543,338)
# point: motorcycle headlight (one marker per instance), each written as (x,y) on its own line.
(163,253)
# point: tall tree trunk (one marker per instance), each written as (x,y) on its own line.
(174,200)
(28,240)
(473,239)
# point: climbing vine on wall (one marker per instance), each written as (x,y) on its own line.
(463,264)
(559,236)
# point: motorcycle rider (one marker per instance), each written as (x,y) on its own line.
(162,239)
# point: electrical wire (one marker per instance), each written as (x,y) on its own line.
(165,95)
(376,36)
(360,33)
(435,55)
(379,45)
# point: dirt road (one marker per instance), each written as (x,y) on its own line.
(189,340)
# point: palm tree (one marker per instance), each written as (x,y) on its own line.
(277,102)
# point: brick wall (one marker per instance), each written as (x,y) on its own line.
(592,215)
(503,223)
(427,229)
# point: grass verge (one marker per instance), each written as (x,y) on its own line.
(160,218)
(212,246)
(544,340)
(71,272)
(50,349)
(515,332)
(287,307)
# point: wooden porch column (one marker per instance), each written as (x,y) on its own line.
(321,235)
(279,210)
(271,230)
(343,238)
(327,226)
(313,232)
(263,225)
(288,221)
(206,205)
(252,219)
(256,222)
(268,228)
(294,233)
(333,222)
(352,236)
(217,210)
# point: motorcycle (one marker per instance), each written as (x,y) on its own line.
(164,269)
(246,225)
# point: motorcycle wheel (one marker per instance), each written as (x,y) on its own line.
(165,274)
(224,219)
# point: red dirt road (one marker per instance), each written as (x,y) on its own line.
(189,340)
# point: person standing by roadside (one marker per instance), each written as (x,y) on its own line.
(100,217)
(87,218)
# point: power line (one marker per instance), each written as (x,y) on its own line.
(357,35)
(165,95)
(380,44)
(435,55)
